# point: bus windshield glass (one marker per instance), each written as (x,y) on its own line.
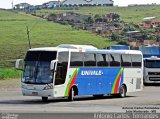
(37,67)
(152,63)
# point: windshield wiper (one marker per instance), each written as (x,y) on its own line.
(36,71)
(36,67)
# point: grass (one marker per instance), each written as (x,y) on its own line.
(13,38)
(128,14)
(7,73)
(13,84)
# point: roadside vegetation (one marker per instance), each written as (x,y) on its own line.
(13,35)
(128,14)
(14,44)
(7,73)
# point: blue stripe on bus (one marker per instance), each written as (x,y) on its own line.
(92,81)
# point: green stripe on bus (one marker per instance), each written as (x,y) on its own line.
(68,85)
(113,87)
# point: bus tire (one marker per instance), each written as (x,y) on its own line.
(72,94)
(122,91)
(44,99)
(145,84)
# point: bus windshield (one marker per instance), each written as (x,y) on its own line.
(37,67)
(152,63)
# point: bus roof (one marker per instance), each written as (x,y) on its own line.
(73,46)
(43,49)
(64,47)
(115,51)
(86,50)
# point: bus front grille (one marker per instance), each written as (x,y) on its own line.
(153,73)
(154,78)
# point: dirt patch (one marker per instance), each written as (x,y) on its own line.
(10,84)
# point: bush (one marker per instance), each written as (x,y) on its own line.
(114,36)
(122,42)
(7,73)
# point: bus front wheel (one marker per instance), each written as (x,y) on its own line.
(122,91)
(72,94)
(44,99)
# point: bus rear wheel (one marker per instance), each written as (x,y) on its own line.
(122,92)
(72,94)
(44,99)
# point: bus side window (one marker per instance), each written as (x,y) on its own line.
(126,60)
(101,60)
(136,60)
(61,68)
(89,59)
(76,59)
(114,60)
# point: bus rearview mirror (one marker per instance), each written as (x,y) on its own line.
(53,63)
(19,64)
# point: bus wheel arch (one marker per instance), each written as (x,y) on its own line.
(73,92)
(123,91)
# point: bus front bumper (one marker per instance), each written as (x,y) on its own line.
(41,93)
(152,79)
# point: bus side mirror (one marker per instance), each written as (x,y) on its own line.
(53,63)
(19,64)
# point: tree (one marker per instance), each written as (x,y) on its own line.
(158,38)
(122,42)
(115,16)
(98,18)
(90,20)
(114,36)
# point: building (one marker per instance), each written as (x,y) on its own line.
(51,4)
(87,3)
(151,42)
(150,24)
(21,6)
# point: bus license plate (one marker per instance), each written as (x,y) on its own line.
(35,93)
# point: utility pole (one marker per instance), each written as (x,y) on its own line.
(28,38)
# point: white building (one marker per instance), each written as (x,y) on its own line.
(51,4)
(21,6)
(87,2)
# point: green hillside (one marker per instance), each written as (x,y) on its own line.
(13,38)
(128,14)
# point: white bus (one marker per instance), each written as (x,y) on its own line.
(77,70)
(151,70)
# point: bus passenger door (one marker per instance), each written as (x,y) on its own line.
(60,74)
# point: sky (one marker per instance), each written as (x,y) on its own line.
(8,3)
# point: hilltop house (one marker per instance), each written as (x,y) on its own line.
(51,4)
(87,3)
(68,17)
(21,6)
(150,24)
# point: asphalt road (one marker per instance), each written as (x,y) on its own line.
(11,100)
